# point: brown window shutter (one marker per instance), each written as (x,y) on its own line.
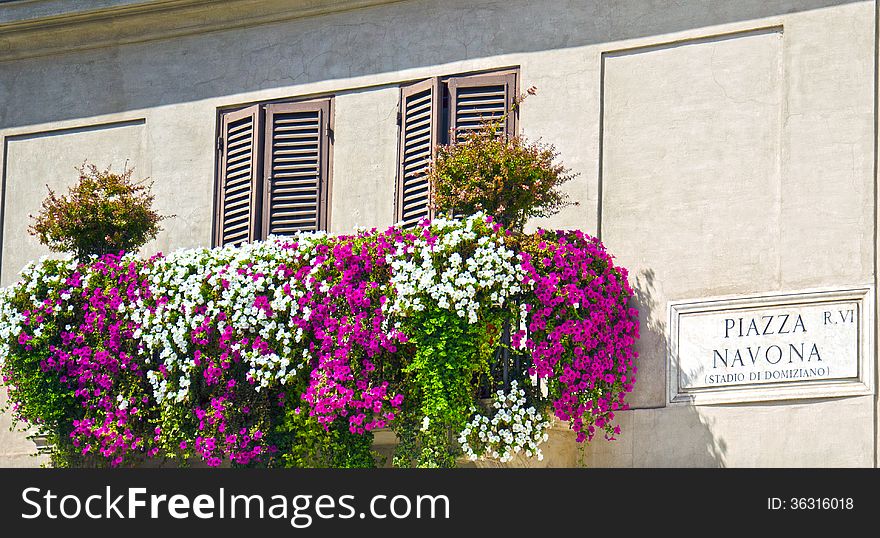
(419,135)
(237,194)
(295,177)
(476,98)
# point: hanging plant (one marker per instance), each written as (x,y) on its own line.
(506,429)
(292,351)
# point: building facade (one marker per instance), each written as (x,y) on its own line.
(726,154)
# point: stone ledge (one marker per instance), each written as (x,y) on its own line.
(45,27)
(21,13)
(560,450)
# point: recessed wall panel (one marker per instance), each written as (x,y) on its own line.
(37,161)
(690,175)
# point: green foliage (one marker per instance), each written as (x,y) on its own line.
(439,391)
(453,332)
(512,178)
(303,442)
(103,212)
(41,396)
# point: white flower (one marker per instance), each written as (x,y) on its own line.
(451,282)
(464,271)
(507,432)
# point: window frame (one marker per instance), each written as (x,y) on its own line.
(220,154)
(435,130)
(258,212)
(444,116)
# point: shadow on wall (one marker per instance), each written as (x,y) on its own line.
(671,436)
(347,45)
(651,436)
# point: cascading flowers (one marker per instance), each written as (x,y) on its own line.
(511,429)
(580,330)
(219,354)
(453,284)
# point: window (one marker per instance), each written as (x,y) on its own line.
(273,170)
(431,111)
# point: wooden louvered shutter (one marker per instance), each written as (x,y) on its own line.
(419,134)
(237,194)
(296,167)
(474,99)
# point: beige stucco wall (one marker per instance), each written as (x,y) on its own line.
(48,160)
(722,148)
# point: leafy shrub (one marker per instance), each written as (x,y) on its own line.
(103,212)
(510,178)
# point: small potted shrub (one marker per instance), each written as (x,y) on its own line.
(510,178)
(104,212)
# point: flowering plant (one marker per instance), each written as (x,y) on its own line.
(511,429)
(511,178)
(103,212)
(579,330)
(292,351)
(453,283)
